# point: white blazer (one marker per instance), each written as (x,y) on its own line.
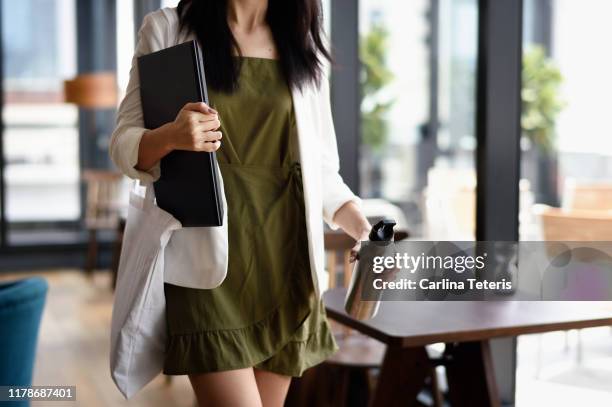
(197,257)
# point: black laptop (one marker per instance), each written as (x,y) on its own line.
(188,187)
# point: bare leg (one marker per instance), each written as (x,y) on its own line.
(232,388)
(272,387)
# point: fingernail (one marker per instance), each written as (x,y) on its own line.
(212,111)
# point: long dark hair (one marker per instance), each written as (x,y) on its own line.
(296,29)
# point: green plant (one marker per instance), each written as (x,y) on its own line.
(374,77)
(540,98)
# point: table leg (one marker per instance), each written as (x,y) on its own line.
(402,377)
(471,378)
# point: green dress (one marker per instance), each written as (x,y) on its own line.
(265,314)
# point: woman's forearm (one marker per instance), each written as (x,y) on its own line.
(154,145)
(352,221)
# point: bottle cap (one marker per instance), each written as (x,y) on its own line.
(382,231)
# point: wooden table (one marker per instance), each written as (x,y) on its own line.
(466,328)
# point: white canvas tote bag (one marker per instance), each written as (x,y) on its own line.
(138,329)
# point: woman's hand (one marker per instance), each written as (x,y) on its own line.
(195,129)
(354,255)
(354,223)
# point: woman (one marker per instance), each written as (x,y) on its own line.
(271,127)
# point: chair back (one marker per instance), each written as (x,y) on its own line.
(588,196)
(574,225)
(103,198)
(21,307)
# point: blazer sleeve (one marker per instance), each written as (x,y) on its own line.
(335,191)
(152,36)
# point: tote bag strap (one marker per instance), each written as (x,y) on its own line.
(149,197)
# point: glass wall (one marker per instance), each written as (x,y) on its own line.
(418,111)
(566,185)
(567,152)
(451,184)
(41,160)
(126,36)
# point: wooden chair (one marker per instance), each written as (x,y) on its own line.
(574,225)
(330,383)
(588,196)
(103,209)
(359,355)
(347,378)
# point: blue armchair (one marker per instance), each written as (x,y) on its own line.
(21,306)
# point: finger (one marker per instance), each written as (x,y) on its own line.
(203,141)
(206,117)
(199,117)
(210,136)
(210,125)
(211,146)
(201,138)
(199,107)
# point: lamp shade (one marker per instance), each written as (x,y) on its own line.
(92,90)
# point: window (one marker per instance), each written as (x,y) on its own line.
(126,36)
(567,155)
(566,187)
(41,160)
(418,110)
